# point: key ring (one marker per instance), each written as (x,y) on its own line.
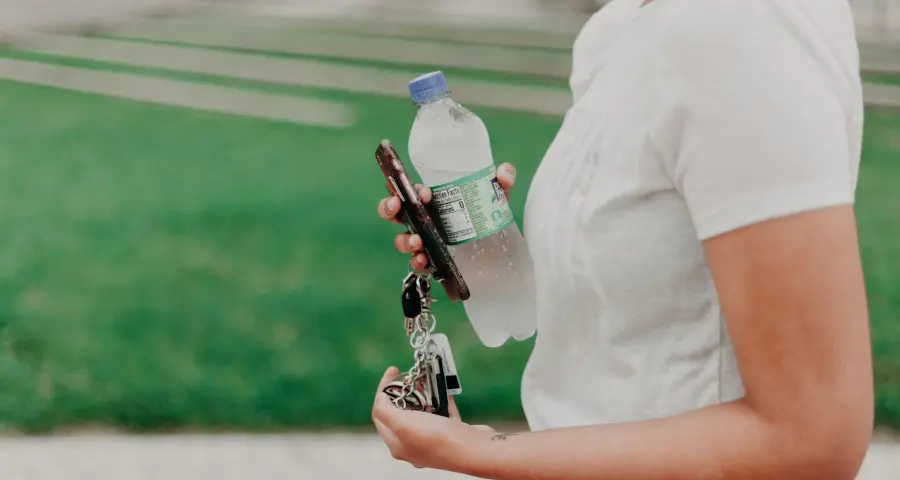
(418,340)
(424,387)
(426,322)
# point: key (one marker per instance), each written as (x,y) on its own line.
(423,286)
(411,300)
(410,277)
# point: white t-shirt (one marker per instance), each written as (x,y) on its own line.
(690,118)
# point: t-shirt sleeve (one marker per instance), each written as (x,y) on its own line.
(758,124)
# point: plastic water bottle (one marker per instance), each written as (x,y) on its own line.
(450,149)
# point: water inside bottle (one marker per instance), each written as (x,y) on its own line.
(448,142)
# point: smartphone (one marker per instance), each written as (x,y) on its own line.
(419,220)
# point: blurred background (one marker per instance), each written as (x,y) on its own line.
(193,279)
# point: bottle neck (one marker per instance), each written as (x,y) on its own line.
(433,100)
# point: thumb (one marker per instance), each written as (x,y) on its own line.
(389,375)
(384,412)
(506,175)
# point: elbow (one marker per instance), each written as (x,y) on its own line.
(841,454)
(847,432)
(830,447)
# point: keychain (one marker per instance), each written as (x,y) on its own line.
(428,385)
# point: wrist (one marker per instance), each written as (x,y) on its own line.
(485,454)
(475,454)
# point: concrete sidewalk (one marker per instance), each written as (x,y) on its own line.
(239,457)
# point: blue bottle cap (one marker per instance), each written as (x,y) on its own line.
(428,87)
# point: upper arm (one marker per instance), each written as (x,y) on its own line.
(757,122)
(792,294)
(766,161)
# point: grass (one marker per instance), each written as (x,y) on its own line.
(169,268)
(166,268)
(878,210)
(890,79)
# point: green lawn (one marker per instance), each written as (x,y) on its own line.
(884,78)
(168,268)
(878,209)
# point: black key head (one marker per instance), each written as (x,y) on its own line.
(411,301)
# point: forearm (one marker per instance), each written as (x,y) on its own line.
(728,441)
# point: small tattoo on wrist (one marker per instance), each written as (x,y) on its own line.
(503,436)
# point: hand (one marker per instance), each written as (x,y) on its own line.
(389,207)
(423,439)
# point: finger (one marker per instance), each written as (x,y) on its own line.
(419,261)
(454,410)
(388,208)
(424,193)
(406,243)
(506,175)
(387,436)
(415,243)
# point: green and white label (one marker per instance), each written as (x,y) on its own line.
(472,207)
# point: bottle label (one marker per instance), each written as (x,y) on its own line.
(472,207)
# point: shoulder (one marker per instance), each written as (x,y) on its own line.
(603,25)
(595,40)
(722,35)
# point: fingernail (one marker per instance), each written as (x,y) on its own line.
(512,171)
(412,242)
(393,204)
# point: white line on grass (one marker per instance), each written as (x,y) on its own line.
(879,59)
(510,17)
(386,26)
(881,95)
(876,67)
(299,34)
(275,37)
(303,34)
(536,99)
(198,96)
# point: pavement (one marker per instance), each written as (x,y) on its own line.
(239,457)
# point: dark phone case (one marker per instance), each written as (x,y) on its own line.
(417,218)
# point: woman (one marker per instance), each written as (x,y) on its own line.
(701,304)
